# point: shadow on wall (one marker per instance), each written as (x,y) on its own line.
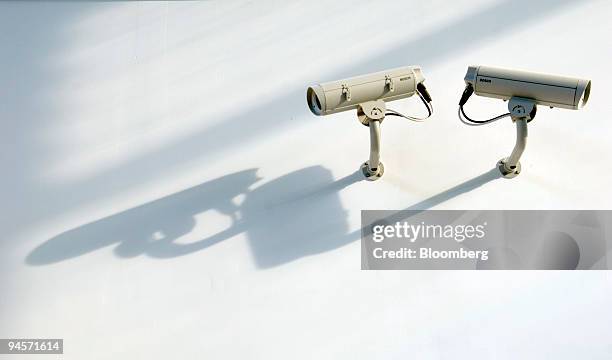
(296,215)
(293,216)
(457,190)
(440,198)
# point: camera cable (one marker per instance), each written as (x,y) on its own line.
(425,98)
(469,90)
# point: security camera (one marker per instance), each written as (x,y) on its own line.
(368,95)
(342,95)
(524,90)
(543,89)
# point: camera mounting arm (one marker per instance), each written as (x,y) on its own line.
(522,111)
(371,114)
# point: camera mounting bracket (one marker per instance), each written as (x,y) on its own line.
(522,111)
(371,114)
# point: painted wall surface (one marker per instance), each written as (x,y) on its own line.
(166,193)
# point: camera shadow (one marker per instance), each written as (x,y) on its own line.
(437,199)
(307,222)
(293,216)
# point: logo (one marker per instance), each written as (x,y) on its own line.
(485,80)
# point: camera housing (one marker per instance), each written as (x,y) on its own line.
(342,95)
(545,89)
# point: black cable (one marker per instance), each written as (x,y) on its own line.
(425,98)
(481,122)
(469,90)
(460,112)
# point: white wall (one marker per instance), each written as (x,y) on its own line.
(166,192)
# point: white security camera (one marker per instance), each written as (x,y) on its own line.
(543,89)
(367,94)
(525,90)
(336,96)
